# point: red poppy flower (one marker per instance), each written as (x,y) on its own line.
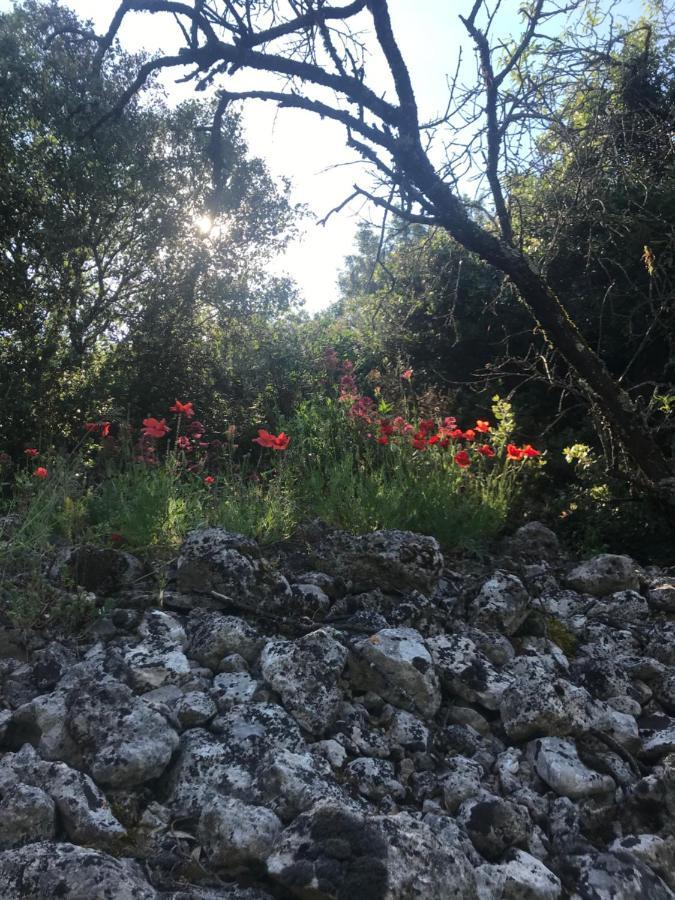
(513,452)
(104,428)
(31,452)
(383,439)
(427,425)
(155,428)
(40,472)
(529,451)
(482,427)
(209,480)
(271,441)
(386,429)
(486,450)
(434,439)
(450,422)
(469,434)
(182,409)
(419,441)
(117,538)
(462,459)
(407,374)
(183,443)
(456,433)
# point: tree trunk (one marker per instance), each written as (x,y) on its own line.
(549,312)
(547,309)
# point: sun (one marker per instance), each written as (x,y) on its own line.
(204,224)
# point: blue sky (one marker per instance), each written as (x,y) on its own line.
(310,151)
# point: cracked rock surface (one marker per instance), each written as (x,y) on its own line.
(345,718)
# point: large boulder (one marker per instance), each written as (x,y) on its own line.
(84,812)
(104,571)
(212,559)
(213,636)
(227,762)
(534,541)
(305,673)
(538,704)
(557,762)
(389,560)
(124,742)
(47,871)
(617,875)
(523,877)
(27,814)
(235,833)
(502,604)
(396,664)
(466,672)
(605,574)
(331,853)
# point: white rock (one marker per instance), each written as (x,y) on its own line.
(557,762)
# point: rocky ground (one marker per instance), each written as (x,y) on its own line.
(345,718)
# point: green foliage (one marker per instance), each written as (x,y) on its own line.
(120,266)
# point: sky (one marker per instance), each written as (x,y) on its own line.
(311,152)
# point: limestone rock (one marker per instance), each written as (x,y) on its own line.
(236,833)
(388,560)
(330,853)
(557,762)
(47,871)
(537,704)
(213,636)
(396,664)
(27,814)
(523,877)
(534,541)
(502,604)
(305,673)
(604,575)
(123,741)
(466,672)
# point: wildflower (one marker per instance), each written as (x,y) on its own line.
(462,459)
(196,429)
(271,441)
(456,434)
(469,434)
(40,472)
(183,443)
(419,441)
(31,452)
(116,538)
(450,422)
(383,439)
(513,452)
(362,408)
(529,451)
(386,429)
(482,427)
(182,409)
(209,480)
(486,450)
(155,428)
(103,428)
(427,425)
(407,374)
